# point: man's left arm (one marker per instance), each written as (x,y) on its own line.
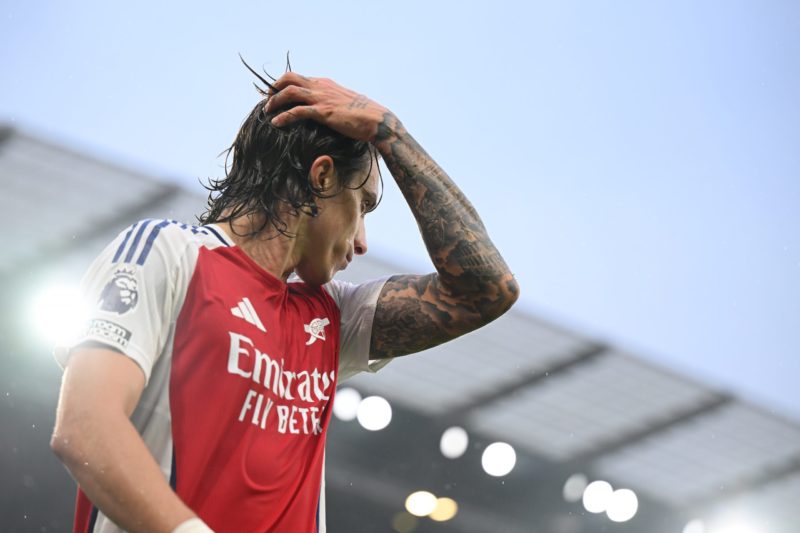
(472,284)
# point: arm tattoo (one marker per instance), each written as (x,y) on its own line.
(472,284)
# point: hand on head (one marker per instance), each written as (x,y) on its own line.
(324,101)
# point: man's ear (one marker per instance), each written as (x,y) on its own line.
(322,175)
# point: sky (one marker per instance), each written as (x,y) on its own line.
(637,163)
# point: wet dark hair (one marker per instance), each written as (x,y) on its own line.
(270,167)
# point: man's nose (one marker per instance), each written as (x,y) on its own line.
(360,243)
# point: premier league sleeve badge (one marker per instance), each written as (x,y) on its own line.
(121,294)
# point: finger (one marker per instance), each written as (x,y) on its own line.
(292,94)
(291,78)
(293,115)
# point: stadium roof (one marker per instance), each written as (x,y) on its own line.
(564,400)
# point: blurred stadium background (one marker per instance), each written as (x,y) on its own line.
(524,426)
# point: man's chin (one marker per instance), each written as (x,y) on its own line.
(315,279)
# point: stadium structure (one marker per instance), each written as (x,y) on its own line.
(555,431)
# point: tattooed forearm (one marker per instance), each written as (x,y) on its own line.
(472,285)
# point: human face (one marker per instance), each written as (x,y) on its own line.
(337,233)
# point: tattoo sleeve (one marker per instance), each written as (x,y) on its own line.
(472,284)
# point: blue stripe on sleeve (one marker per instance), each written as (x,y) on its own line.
(150,239)
(135,244)
(92,520)
(173,474)
(216,234)
(124,242)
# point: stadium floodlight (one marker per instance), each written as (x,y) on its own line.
(574,487)
(404,522)
(58,314)
(374,413)
(345,403)
(421,503)
(498,459)
(597,496)
(446,509)
(454,442)
(622,505)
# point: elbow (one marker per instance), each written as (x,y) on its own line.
(60,445)
(508,289)
(481,303)
(66,444)
(495,303)
(512,291)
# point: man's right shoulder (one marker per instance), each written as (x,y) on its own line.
(135,244)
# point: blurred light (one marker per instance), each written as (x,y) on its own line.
(695,526)
(59,314)
(446,508)
(345,403)
(454,442)
(374,413)
(597,496)
(498,459)
(404,522)
(622,505)
(574,487)
(421,503)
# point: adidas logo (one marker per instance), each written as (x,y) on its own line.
(245,310)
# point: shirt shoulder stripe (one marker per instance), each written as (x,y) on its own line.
(135,243)
(124,243)
(145,233)
(217,235)
(150,239)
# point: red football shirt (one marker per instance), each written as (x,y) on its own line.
(241,370)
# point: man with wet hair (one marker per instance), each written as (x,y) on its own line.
(199,399)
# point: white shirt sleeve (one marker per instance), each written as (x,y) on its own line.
(130,290)
(356,304)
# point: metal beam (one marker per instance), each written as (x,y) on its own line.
(52,251)
(46,254)
(6,132)
(753,483)
(590,353)
(629,439)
